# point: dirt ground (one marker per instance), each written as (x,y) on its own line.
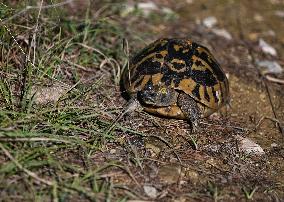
(165,161)
(217,168)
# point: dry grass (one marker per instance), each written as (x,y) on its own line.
(59,94)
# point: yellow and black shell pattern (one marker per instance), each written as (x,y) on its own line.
(180,64)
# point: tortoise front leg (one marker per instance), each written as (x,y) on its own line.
(190,109)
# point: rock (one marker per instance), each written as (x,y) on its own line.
(168,11)
(274,145)
(257,17)
(146,8)
(180,199)
(112,151)
(210,21)
(249,147)
(270,33)
(48,94)
(253,36)
(192,176)
(266,48)
(189,1)
(279,14)
(150,191)
(211,162)
(170,173)
(213,148)
(267,67)
(155,150)
(223,33)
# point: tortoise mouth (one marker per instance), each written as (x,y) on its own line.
(152,100)
(161,98)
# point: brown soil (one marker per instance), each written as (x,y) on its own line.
(217,168)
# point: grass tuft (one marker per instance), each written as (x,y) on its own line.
(54,72)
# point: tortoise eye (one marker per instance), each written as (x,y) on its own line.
(163,90)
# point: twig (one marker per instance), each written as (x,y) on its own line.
(273,109)
(33,42)
(126,52)
(262,119)
(93,49)
(109,60)
(80,66)
(273,79)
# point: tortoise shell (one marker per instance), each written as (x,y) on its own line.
(182,65)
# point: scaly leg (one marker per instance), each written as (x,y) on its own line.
(190,109)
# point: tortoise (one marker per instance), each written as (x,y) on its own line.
(176,78)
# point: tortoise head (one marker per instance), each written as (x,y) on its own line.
(157,95)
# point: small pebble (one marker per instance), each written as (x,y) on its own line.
(192,175)
(271,67)
(223,33)
(249,147)
(112,151)
(189,1)
(170,173)
(274,145)
(257,17)
(44,95)
(210,22)
(155,150)
(168,11)
(279,14)
(270,33)
(150,191)
(266,48)
(146,8)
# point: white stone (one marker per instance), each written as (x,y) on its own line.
(249,147)
(146,8)
(210,21)
(223,33)
(267,66)
(150,191)
(189,1)
(168,11)
(279,14)
(48,94)
(266,48)
(274,145)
